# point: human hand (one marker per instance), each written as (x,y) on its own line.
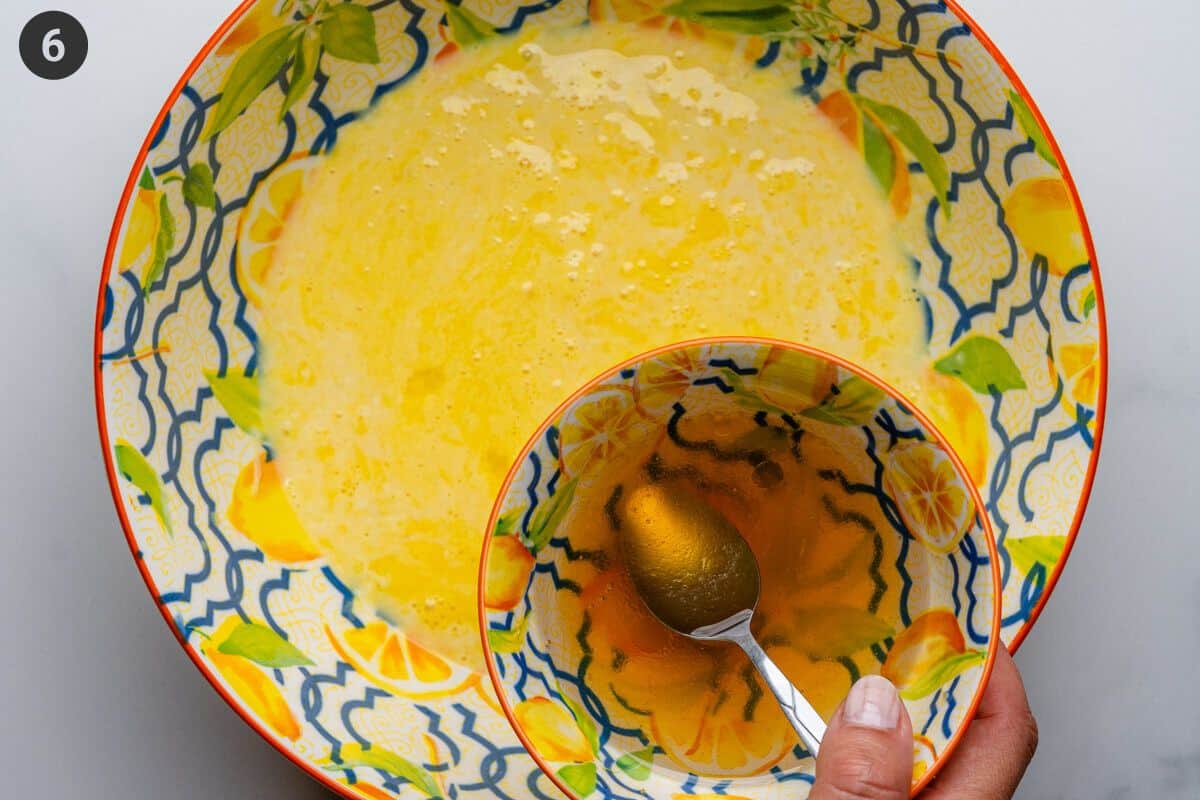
(867,752)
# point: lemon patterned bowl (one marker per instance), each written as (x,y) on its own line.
(897,510)
(985,207)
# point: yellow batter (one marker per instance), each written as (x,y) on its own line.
(514,222)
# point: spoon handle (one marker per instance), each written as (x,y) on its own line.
(799,712)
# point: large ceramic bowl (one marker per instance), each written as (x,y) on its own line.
(558,632)
(986,210)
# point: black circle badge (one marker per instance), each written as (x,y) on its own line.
(53,45)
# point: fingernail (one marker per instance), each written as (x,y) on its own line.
(872,703)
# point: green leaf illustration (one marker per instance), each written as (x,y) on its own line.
(1089,303)
(983,364)
(353,756)
(349,32)
(754,17)
(587,725)
(1030,550)
(581,778)
(467,28)
(854,403)
(906,129)
(881,159)
(164,241)
(942,673)
(146,181)
(838,631)
(198,186)
(1029,124)
(548,515)
(304,68)
(134,467)
(508,641)
(238,394)
(263,646)
(637,764)
(252,72)
(506,524)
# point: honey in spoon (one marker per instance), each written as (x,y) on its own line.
(689,563)
(695,572)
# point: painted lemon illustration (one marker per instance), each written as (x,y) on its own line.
(251,683)
(552,730)
(261,511)
(928,654)
(728,729)
(509,565)
(935,506)
(794,381)
(930,639)
(663,380)
(956,412)
(1042,216)
(256,22)
(397,664)
(880,148)
(599,429)
(1082,370)
(145,218)
(261,224)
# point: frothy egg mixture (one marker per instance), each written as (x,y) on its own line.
(512,223)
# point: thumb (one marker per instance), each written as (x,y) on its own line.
(867,752)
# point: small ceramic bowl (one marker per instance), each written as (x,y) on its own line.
(608,701)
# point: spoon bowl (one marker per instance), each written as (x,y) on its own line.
(554,641)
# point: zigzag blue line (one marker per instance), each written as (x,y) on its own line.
(714,380)
(977,560)
(282,583)
(954,590)
(133,328)
(1014,153)
(435,730)
(1038,278)
(420,41)
(494,766)
(792,777)
(531,783)
(951,704)
(531,491)
(526,11)
(1038,415)
(732,366)
(193,578)
(190,132)
(1037,461)
(933,713)
(312,701)
(370,695)
(979,148)
(587,695)
(347,596)
(999,480)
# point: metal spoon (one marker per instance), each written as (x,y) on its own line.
(697,574)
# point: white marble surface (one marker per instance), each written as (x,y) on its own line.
(97,699)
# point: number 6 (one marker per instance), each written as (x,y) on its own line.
(53,49)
